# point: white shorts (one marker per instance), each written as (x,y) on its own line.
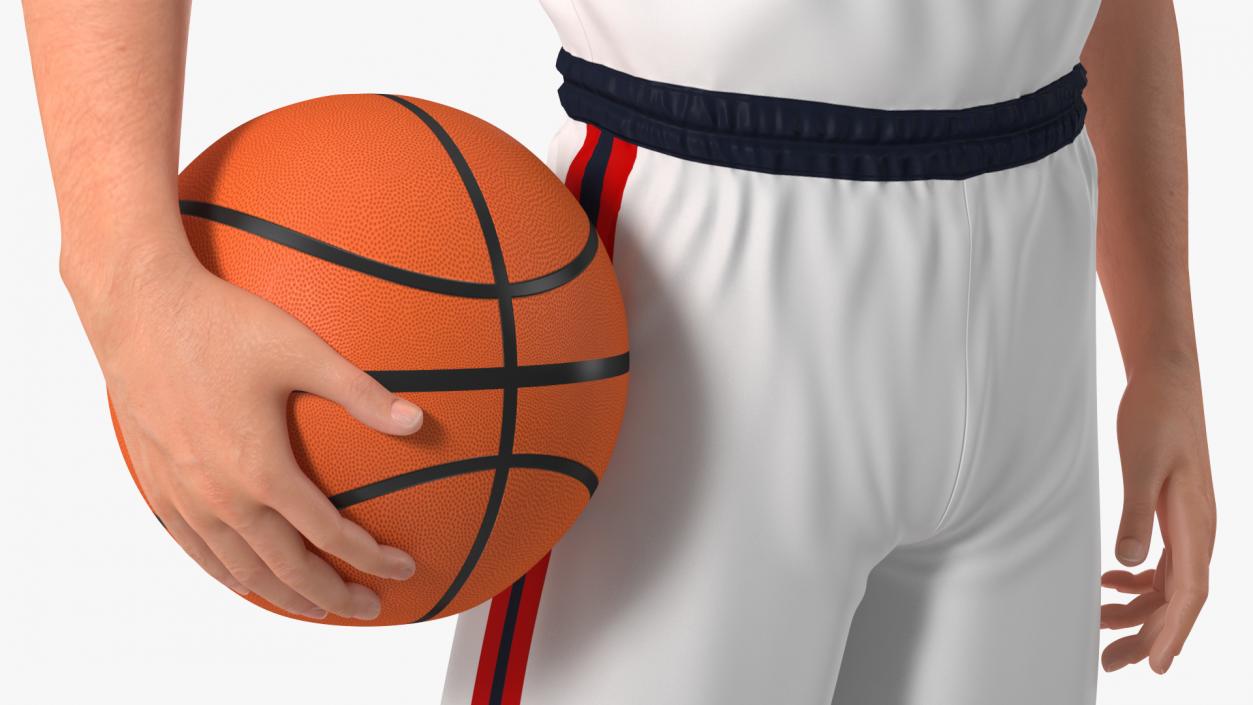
(858,464)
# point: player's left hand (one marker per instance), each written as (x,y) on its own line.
(1165,465)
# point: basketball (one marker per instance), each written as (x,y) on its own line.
(438,254)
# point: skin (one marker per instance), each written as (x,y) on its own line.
(199,371)
(220,472)
(1135,122)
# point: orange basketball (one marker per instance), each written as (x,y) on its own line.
(435,252)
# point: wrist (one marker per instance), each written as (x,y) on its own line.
(101,266)
(1174,366)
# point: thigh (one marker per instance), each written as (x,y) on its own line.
(982,622)
(1001,602)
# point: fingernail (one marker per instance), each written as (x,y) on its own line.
(405,567)
(406,414)
(370,612)
(243,592)
(1130,550)
(316,613)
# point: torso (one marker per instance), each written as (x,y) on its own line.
(890,54)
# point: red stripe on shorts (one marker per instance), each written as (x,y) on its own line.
(511,618)
(491,647)
(621,159)
(525,627)
(574,176)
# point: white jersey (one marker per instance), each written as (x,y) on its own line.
(891,54)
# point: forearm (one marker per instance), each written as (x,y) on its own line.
(109,77)
(1136,125)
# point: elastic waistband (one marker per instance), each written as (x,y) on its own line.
(810,138)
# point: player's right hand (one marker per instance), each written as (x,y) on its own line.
(199,373)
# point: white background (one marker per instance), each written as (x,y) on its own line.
(101,604)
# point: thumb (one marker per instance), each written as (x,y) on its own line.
(335,378)
(1135,529)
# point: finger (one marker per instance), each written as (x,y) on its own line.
(1128,582)
(1132,614)
(1124,652)
(198,549)
(332,377)
(283,550)
(1188,582)
(167,514)
(1131,649)
(249,569)
(1140,491)
(1181,615)
(301,503)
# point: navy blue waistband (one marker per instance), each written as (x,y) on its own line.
(810,138)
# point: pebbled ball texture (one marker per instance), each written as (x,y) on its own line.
(363,173)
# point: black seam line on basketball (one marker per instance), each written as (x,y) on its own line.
(314,247)
(498,377)
(466,466)
(506,642)
(508,341)
(593,184)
